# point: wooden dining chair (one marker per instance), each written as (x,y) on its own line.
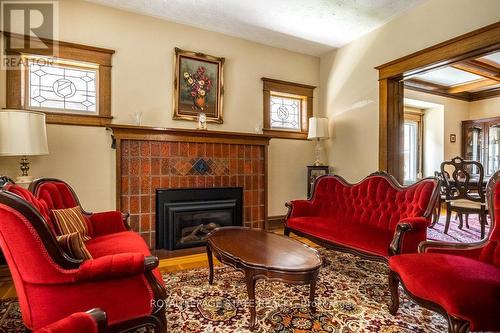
(462,195)
(441,198)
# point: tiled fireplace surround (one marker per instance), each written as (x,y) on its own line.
(151,158)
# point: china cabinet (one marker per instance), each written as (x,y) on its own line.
(481,142)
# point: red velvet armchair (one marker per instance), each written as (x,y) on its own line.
(93,321)
(459,281)
(375,218)
(122,277)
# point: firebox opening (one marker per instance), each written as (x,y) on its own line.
(185,217)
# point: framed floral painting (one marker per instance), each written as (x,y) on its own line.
(198,86)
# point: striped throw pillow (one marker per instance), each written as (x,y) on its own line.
(71,220)
(74,246)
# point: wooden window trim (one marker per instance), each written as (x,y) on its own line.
(305,92)
(16,90)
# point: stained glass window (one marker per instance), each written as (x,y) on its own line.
(286,112)
(62,86)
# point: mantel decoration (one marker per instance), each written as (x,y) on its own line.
(198,86)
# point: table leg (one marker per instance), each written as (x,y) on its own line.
(210,265)
(312,292)
(250,282)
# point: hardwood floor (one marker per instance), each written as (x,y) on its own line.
(168,263)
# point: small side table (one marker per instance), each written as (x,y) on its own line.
(313,172)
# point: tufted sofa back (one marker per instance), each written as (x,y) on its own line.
(56,194)
(377,200)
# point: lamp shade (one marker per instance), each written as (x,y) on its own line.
(318,128)
(22,133)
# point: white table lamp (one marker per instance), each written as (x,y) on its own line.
(23,133)
(318,129)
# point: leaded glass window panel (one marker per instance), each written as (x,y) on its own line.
(64,87)
(286,112)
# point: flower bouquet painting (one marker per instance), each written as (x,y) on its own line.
(198,86)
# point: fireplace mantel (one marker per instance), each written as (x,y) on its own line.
(150,158)
(150,133)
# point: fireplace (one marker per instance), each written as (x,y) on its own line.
(184,217)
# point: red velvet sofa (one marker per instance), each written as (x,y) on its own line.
(374,218)
(460,281)
(122,277)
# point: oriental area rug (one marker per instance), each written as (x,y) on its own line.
(352,295)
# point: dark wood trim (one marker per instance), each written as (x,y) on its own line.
(490,93)
(391,127)
(280,86)
(76,119)
(131,132)
(419,85)
(306,91)
(278,134)
(64,50)
(16,78)
(464,47)
(275,222)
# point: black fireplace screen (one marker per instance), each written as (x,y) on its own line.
(184,217)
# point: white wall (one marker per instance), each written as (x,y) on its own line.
(434,138)
(349,80)
(454,111)
(142,81)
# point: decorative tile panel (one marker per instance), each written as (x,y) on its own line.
(148,165)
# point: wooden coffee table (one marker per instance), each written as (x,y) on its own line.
(264,255)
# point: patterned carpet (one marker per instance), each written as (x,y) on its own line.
(351,296)
(456,235)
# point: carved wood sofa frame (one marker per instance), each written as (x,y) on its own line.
(157,319)
(396,243)
(455,324)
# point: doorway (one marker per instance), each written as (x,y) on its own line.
(392,77)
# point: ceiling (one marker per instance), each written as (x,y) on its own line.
(468,80)
(305,26)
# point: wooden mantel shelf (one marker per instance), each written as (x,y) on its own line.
(150,133)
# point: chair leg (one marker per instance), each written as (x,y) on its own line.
(457,325)
(482,220)
(461,219)
(287,232)
(437,215)
(467,221)
(394,288)
(448,217)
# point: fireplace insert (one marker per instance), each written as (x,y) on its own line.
(184,217)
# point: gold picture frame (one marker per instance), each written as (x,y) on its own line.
(198,86)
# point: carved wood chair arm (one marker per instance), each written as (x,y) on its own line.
(465,249)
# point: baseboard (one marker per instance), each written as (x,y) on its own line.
(275,222)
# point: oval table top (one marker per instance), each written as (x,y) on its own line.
(264,249)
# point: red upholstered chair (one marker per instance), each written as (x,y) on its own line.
(93,321)
(52,286)
(374,218)
(57,194)
(459,281)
